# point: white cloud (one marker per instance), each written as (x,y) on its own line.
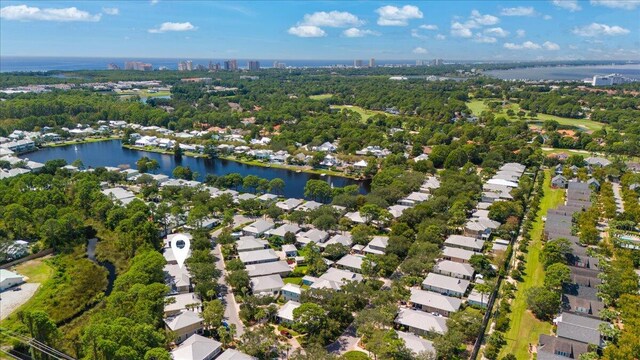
(306,31)
(173,26)
(496,31)
(548,45)
(440,37)
(547,17)
(111,11)
(483,19)
(460,30)
(595,29)
(420,50)
(356,33)
(395,16)
(416,34)
(153,2)
(519,11)
(429,27)
(571,5)
(484,39)
(28,13)
(331,19)
(617,4)
(520,33)
(573,47)
(527,45)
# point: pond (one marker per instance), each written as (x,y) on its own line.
(111,153)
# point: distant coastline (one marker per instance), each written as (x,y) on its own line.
(566,73)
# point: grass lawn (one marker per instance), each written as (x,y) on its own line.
(321,97)
(355,355)
(293,280)
(37,270)
(364,113)
(477,106)
(525,328)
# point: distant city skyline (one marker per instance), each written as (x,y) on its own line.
(383,30)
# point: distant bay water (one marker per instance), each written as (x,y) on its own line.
(569,73)
(22,63)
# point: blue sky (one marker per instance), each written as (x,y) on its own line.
(458,30)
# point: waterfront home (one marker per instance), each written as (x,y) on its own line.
(356,217)
(9,279)
(359,165)
(282,230)
(445,285)
(176,304)
(434,302)
(377,245)
(291,292)
(285,313)
(258,228)
(19,146)
(258,256)
(457,254)
(420,322)
(464,242)
(197,347)
(454,269)
(267,197)
(245,196)
(289,205)
(351,263)
(270,268)
(556,348)
(184,325)
(266,285)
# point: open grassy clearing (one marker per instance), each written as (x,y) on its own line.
(321,97)
(364,113)
(36,270)
(145,93)
(477,106)
(525,328)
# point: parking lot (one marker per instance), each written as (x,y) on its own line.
(11,299)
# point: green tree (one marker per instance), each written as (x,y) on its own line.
(555,251)
(276,186)
(556,276)
(212,313)
(181,172)
(544,303)
(309,318)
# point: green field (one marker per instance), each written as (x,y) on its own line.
(37,270)
(477,106)
(364,113)
(321,97)
(145,93)
(525,328)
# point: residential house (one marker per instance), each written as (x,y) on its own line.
(556,348)
(581,306)
(233,354)
(420,322)
(416,344)
(250,243)
(197,347)
(177,279)
(377,245)
(344,239)
(267,285)
(282,230)
(289,205)
(312,235)
(280,268)
(291,292)
(454,269)
(457,254)
(465,242)
(478,299)
(290,250)
(181,302)
(184,325)
(285,313)
(434,302)
(480,228)
(580,328)
(445,285)
(351,263)
(258,228)
(309,206)
(258,256)
(559,182)
(414,198)
(596,161)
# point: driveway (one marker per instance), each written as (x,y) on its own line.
(10,300)
(346,342)
(231,308)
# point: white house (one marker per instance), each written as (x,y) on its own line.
(197,347)
(184,325)
(9,279)
(267,285)
(285,314)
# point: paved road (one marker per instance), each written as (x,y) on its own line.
(231,309)
(618,197)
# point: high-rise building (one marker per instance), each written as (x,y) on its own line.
(182,66)
(213,66)
(372,62)
(113,66)
(253,65)
(608,80)
(279,65)
(231,65)
(357,63)
(189,65)
(422,62)
(137,65)
(437,62)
